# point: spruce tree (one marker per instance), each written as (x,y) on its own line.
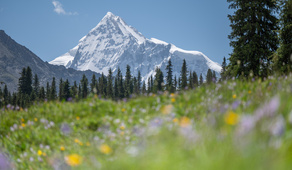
(149,86)
(253,37)
(191,81)
(144,91)
(158,81)
(66,89)
(201,81)
(84,86)
(128,82)
(135,84)
(61,89)
(183,75)
(53,95)
(48,91)
(121,90)
(223,71)
(6,95)
(169,83)
(36,84)
(116,90)
(28,80)
(209,76)
(175,83)
(139,81)
(283,60)
(214,77)
(110,93)
(93,84)
(195,79)
(42,94)
(74,90)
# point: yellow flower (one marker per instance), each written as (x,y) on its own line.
(77,141)
(123,109)
(175,120)
(166,109)
(35,119)
(87,144)
(185,122)
(105,149)
(22,120)
(122,127)
(172,95)
(172,100)
(122,133)
(77,118)
(23,124)
(44,154)
(73,159)
(249,92)
(62,148)
(40,152)
(231,118)
(80,143)
(234,96)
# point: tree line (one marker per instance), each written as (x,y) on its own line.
(111,87)
(261,41)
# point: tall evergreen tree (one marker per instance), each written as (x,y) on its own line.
(48,91)
(139,81)
(144,88)
(93,84)
(191,81)
(135,84)
(128,82)
(79,91)
(121,90)
(42,94)
(201,81)
(84,86)
(175,83)
(74,90)
(195,79)
(214,77)
(25,81)
(253,37)
(151,83)
(149,86)
(66,89)
(110,92)
(36,84)
(169,82)
(223,71)
(6,95)
(116,90)
(102,85)
(209,76)
(28,80)
(183,75)
(53,95)
(61,89)
(158,81)
(283,60)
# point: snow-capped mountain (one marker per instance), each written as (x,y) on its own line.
(113,43)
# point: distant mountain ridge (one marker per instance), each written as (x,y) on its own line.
(113,43)
(13,57)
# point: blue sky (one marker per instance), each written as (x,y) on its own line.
(49,28)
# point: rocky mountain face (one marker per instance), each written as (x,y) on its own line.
(13,57)
(113,43)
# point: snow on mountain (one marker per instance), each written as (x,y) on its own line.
(113,43)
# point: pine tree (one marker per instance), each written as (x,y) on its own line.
(223,72)
(110,93)
(6,95)
(149,86)
(42,94)
(135,84)
(36,84)
(28,80)
(84,86)
(209,76)
(79,91)
(25,81)
(169,83)
(183,75)
(214,77)
(93,84)
(195,79)
(253,37)
(74,90)
(48,91)
(53,95)
(66,89)
(201,81)
(144,91)
(191,81)
(128,82)
(61,89)
(175,83)
(139,79)
(158,81)
(283,60)
(151,83)
(121,90)
(116,90)
(102,85)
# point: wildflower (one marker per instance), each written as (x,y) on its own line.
(23,124)
(185,122)
(22,120)
(172,100)
(172,95)
(4,162)
(81,143)
(77,118)
(73,159)
(249,92)
(175,120)
(122,133)
(231,118)
(105,149)
(35,119)
(65,128)
(122,127)
(166,109)
(62,148)
(44,154)
(40,152)
(87,144)
(234,96)
(123,109)
(77,141)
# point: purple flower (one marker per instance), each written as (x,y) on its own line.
(235,104)
(65,128)
(277,126)
(4,162)
(269,109)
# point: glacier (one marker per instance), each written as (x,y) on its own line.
(114,44)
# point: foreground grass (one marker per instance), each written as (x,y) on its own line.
(231,125)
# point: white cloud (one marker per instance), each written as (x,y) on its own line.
(60,10)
